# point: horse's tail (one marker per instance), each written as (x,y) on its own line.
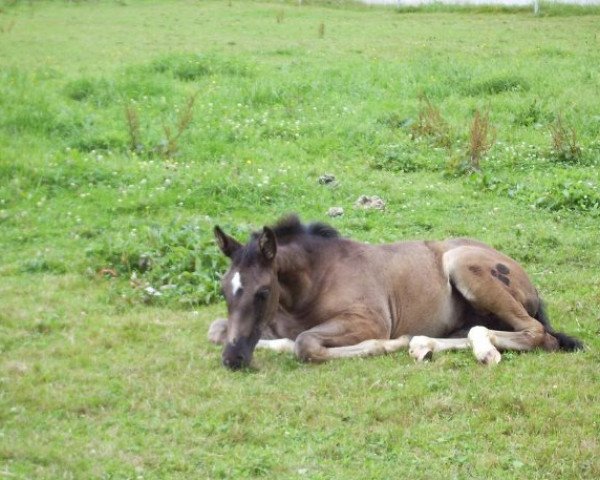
(565,341)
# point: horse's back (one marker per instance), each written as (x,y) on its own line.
(426,276)
(416,291)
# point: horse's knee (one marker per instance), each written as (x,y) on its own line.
(217,332)
(308,348)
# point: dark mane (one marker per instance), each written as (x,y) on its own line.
(322,230)
(290,226)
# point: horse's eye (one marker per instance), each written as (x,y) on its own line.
(262,293)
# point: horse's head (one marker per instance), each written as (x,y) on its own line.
(251,291)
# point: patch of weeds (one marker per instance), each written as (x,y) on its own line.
(431,125)
(91,142)
(192,67)
(80,89)
(396,158)
(174,264)
(170,146)
(481,138)
(185,69)
(280,15)
(321,31)
(133,127)
(50,323)
(285,130)
(581,195)
(594,152)
(284,52)
(394,120)
(28,109)
(565,146)
(551,52)
(259,95)
(67,174)
(133,83)
(500,84)
(532,114)
(87,89)
(41,264)
(521,155)
(484,182)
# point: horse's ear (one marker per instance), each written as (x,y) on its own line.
(227,244)
(267,243)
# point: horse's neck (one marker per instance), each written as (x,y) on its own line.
(296,278)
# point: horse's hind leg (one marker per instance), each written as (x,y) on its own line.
(422,348)
(495,285)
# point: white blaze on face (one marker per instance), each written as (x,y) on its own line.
(236,283)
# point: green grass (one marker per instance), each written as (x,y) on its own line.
(98,379)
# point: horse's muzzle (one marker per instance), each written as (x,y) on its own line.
(238,354)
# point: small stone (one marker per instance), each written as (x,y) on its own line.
(327,179)
(373,202)
(335,212)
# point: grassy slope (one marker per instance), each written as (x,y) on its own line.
(95,384)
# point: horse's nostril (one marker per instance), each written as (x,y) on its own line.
(234,363)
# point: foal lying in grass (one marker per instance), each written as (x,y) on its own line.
(304,289)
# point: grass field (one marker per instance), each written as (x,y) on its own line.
(129,129)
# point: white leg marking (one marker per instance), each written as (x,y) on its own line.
(484,350)
(396,343)
(278,345)
(422,348)
(369,348)
(236,283)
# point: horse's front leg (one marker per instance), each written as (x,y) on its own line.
(217,332)
(346,337)
(278,345)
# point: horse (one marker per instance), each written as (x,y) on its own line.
(306,290)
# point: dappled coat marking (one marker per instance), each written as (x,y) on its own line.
(309,291)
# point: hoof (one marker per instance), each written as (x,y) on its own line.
(421,349)
(491,357)
(426,356)
(485,352)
